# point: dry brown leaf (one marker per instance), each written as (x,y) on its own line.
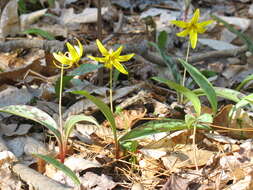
(239,120)
(176,183)
(127,118)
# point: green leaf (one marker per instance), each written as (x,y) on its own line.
(162,40)
(22,6)
(193,98)
(206,118)
(60,166)
(65,81)
(242,36)
(39,32)
(244,82)
(226,93)
(85,68)
(73,119)
(103,108)
(35,114)
(203,83)
(244,101)
(158,126)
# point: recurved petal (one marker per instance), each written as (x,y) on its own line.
(183,33)
(101,48)
(120,67)
(73,53)
(179,23)
(193,38)
(98,59)
(205,23)
(200,29)
(117,52)
(62,59)
(123,58)
(79,49)
(62,66)
(195,17)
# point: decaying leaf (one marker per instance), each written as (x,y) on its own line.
(127,118)
(239,120)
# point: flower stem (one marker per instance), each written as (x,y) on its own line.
(111,89)
(62,151)
(184,75)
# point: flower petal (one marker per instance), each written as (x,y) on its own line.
(125,57)
(62,66)
(179,23)
(117,52)
(120,67)
(200,29)
(79,49)
(73,53)
(193,38)
(101,48)
(98,59)
(62,58)
(205,23)
(183,33)
(195,17)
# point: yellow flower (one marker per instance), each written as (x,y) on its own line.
(71,57)
(112,58)
(192,28)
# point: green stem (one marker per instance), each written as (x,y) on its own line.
(184,75)
(111,89)
(62,151)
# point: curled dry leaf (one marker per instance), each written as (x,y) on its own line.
(127,118)
(239,120)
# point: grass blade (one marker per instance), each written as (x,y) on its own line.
(39,32)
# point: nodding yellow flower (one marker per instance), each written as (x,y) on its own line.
(192,28)
(71,57)
(112,58)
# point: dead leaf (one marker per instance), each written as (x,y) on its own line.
(176,183)
(127,118)
(9,20)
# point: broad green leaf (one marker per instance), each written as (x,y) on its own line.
(60,166)
(39,32)
(193,98)
(203,83)
(35,114)
(226,93)
(103,108)
(158,126)
(190,120)
(73,119)
(162,40)
(85,68)
(244,82)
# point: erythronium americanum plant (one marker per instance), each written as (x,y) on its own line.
(191,28)
(63,129)
(112,59)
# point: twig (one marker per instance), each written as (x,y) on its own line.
(140,49)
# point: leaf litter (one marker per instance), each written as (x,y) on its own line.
(162,161)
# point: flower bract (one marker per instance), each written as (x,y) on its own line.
(112,58)
(192,28)
(71,57)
